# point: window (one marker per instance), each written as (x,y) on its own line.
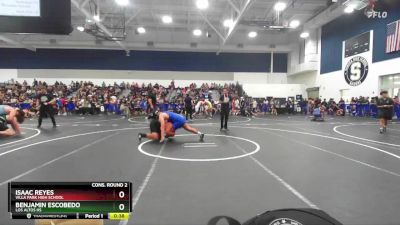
(391,83)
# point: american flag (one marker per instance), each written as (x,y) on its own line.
(393,37)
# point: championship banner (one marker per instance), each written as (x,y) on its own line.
(357,60)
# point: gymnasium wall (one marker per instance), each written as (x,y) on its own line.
(277,80)
(160,77)
(140,60)
(274,90)
(142,66)
(260,78)
(331,81)
(309,79)
(280,63)
(111,76)
(350,25)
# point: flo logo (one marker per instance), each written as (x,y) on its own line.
(374,14)
(356,71)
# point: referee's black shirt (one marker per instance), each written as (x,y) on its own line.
(225,100)
(188,101)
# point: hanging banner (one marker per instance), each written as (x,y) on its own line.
(357,59)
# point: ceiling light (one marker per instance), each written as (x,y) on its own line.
(280,6)
(80,28)
(252,34)
(349,9)
(122,2)
(294,24)
(141,30)
(228,23)
(166,19)
(96,18)
(305,35)
(89,21)
(202,4)
(197,32)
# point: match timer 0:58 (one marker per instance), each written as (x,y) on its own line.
(118,216)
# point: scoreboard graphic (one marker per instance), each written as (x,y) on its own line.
(357,45)
(70,200)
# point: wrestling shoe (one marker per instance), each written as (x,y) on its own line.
(140,137)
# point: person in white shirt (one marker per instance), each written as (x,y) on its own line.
(254,106)
(237,105)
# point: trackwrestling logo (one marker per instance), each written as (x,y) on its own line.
(356,71)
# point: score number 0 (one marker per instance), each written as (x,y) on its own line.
(121,206)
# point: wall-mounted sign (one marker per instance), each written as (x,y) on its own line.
(356,71)
(357,45)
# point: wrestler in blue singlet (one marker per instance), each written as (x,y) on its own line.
(176,119)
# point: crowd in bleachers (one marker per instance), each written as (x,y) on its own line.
(84,97)
(357,106)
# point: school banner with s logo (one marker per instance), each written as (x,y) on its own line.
(357,60)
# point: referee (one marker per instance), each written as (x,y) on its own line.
(188,107)
(45,101)
(151,101)
(385,106)
(224,100)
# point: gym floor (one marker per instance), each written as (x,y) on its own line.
(342,166)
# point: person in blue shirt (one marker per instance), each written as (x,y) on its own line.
(318,113)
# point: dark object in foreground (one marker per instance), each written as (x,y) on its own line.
(284,217)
